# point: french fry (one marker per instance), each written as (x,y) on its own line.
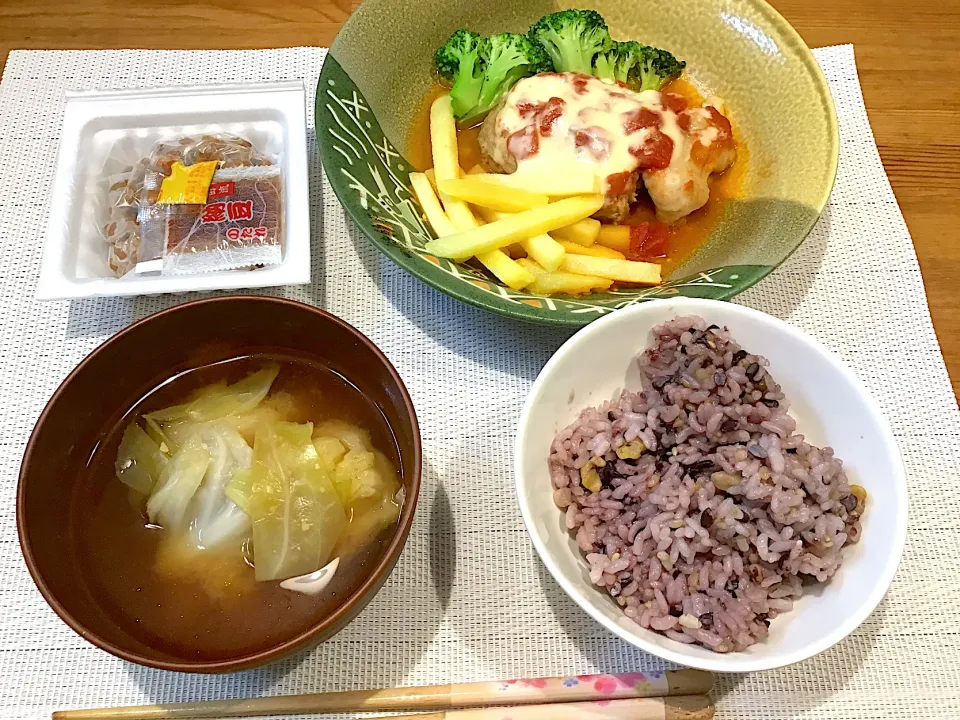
(550,283)
(491,215)
(545,250)
(443,223)
(460,215)
(457,211)
(431,205)
(583,232)
(640,273)
(532,266)
(559,282)
(443,139)
(446,162)
(508,271)
(552,185)
(542,248)
(498,262)
(477,190)
(556,186)
(446,166)
(520,226)
(615,237)
(593,251)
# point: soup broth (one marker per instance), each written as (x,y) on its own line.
(207,604)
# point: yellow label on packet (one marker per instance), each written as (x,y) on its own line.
(187,184)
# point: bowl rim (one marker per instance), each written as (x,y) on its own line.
(737,661)
(339,617)
(461,289)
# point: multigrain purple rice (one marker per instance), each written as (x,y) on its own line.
(700,509)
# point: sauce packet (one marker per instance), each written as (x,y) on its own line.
(199,203)
(238,226)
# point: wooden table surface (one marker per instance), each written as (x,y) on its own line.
(908,54)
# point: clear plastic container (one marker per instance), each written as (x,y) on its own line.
(106,135)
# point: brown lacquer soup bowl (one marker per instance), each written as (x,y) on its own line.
(91,547)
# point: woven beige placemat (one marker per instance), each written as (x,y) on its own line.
(469,599)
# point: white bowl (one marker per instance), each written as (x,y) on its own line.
(831,407)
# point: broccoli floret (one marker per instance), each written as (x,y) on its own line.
(459,63)
(572,38)
(639,66)
(481,70)
(656,68)
(617,63)
(509,57)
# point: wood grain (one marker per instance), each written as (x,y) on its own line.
(907,54)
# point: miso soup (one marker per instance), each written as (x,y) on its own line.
(225,481)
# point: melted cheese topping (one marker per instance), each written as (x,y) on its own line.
(565,123)
(707,147)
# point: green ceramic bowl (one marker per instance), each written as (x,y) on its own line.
(380,68)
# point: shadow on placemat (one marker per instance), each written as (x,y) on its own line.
(820,677)
(828,673)
(479,335)
(443,539)
(104,317)
(786,287)
(159,686)
(603,649)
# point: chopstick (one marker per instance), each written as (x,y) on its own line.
(680,707)
(441,697)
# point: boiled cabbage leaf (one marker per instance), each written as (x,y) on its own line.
(279,407)
(297,515)
(173,426)
(240,490)
(182,475)
(303,493)
(330,450)
(140,460)
(159,436)
(220,400)
(215,519)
